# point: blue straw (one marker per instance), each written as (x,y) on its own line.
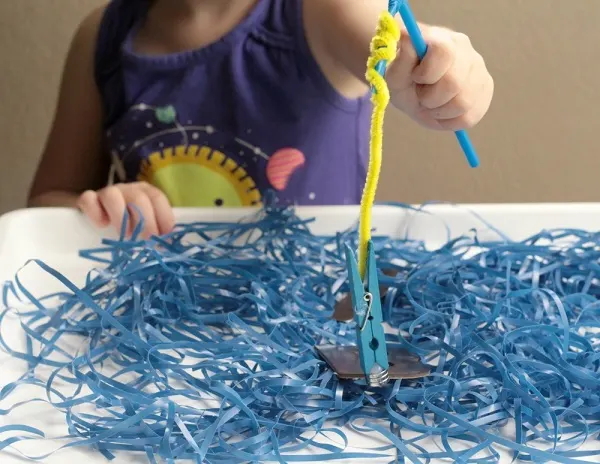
(402,7)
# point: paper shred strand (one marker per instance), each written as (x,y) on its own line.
(200,345)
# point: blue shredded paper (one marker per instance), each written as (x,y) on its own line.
(200,345)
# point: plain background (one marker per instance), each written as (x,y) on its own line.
(538,143)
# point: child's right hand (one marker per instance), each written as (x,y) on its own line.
(106,208)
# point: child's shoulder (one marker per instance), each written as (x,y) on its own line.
(83,43)
(90,24)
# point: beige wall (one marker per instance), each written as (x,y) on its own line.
(543,123)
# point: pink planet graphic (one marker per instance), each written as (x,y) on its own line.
(282,165)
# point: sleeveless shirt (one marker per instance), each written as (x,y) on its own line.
(224,124)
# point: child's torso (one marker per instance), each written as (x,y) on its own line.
(226,123)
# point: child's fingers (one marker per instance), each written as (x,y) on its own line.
(165,219)
(471,117)
(399,74)
(108,206)
(463,102)
(448,87)
(138,197)
(113,202)
(90,206)
(440,56)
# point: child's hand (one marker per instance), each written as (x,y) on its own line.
(451,89)
(106,207)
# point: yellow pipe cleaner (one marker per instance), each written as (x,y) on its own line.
(383,48)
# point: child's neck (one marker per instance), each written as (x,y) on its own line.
(175,26)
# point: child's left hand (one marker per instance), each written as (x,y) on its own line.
(450,89)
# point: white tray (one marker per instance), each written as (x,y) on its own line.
(56,236)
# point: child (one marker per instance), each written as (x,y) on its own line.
(215,102)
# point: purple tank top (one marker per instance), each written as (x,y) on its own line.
(224,124)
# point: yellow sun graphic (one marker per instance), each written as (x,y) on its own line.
(199,176)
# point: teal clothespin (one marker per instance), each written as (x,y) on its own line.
(371,360)
(372,348)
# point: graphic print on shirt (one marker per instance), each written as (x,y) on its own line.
(192,172)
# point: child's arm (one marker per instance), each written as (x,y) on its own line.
(73,160)
(74,167)
(451,89)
